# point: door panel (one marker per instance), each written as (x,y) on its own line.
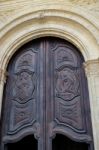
(46,94)
(68,92)
(23,92)
(22,96)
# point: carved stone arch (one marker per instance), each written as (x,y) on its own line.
(43,23)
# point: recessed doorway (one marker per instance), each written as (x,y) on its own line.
(46,94)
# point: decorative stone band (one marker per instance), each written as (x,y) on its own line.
(92,67)
(84,1)
(3,75)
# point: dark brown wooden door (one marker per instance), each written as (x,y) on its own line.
(46,96)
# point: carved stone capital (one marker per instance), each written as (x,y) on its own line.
(3,75)
(92,67)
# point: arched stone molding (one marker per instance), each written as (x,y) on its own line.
(63,24)
(66,25)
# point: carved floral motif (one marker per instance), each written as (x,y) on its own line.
(24,87)
(64,57)
(70,113)
(22,114)
(67,84)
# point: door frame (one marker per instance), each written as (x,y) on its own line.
(44,23)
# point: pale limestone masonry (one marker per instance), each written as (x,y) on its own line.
(74,20)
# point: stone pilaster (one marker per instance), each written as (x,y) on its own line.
(3,75)
(92,67)
(92,73)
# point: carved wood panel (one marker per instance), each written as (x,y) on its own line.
(23,95)
(68,94)
(45,94)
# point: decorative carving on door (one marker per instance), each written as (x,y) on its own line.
(45,94)
(22,97)
(67,84)
(67,92)
(24,83)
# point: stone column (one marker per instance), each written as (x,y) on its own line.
(92,73)
(3,75)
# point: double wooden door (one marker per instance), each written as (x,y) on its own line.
(46,96)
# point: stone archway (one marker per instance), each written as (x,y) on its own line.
(44,23)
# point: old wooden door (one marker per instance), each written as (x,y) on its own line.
(46,99)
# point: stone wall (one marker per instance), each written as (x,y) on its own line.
(74,20)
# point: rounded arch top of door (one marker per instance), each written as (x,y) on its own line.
(46,94)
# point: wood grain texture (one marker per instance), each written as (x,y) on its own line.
(46,93)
